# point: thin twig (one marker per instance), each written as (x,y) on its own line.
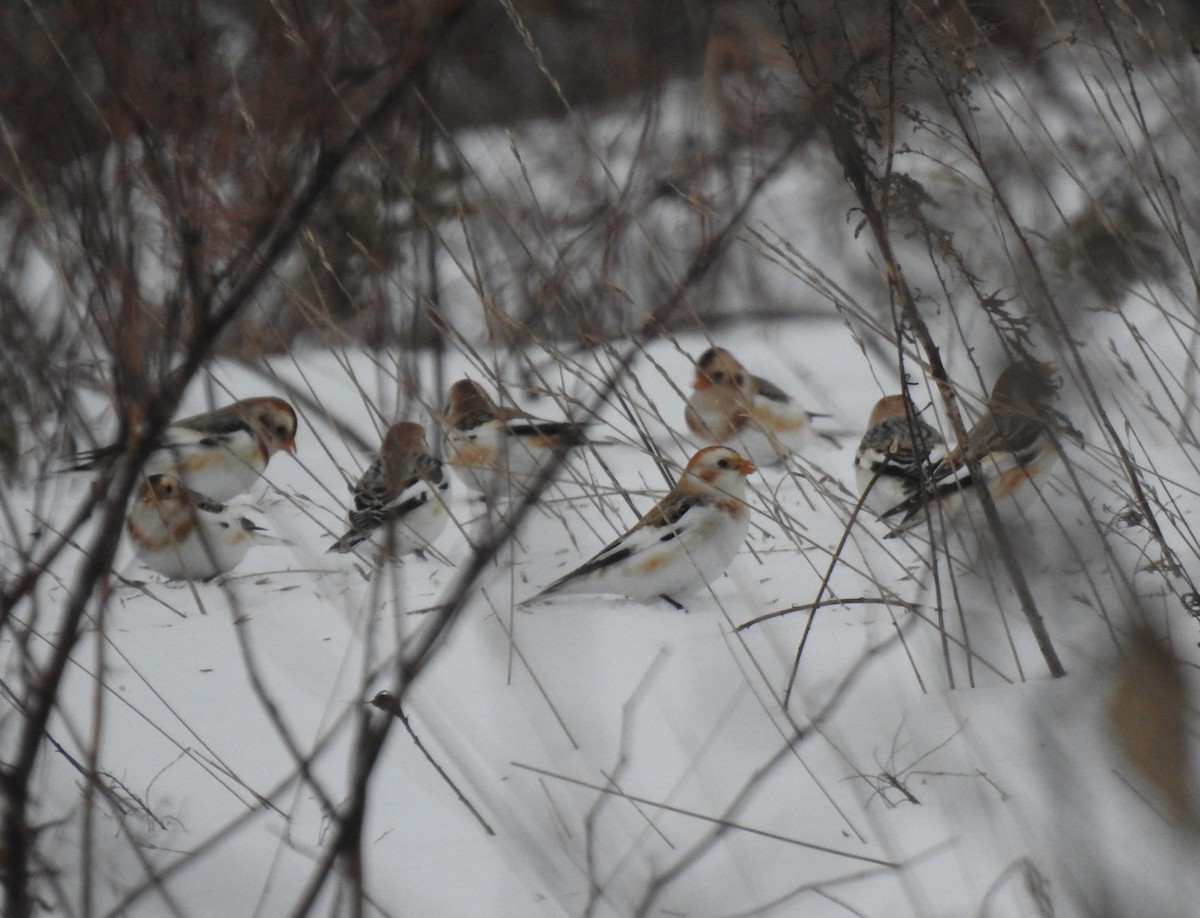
(390,704)
(813,606)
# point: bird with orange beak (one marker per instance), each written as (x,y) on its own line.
(219,453)
(187,536)
(685,542)
(732,406)
(499,445)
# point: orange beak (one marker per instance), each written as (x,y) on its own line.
(289,445)
(745,466)
(702,382)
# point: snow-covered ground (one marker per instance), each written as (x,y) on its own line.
(625,752)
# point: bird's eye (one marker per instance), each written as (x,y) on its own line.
(739,379)
(718,376)
(723,463)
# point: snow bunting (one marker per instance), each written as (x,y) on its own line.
(732,406)
(686,541)
(1012,442)
(893,459)
(219,453)
(184,535)
(484,439)
(400,500)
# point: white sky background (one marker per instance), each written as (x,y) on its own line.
(1005,788)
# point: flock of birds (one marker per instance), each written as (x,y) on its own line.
(180,526)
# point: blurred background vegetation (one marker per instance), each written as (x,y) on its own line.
(186,134)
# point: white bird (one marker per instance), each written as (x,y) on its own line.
(487,441)
(894,457)
(184,535)
(685,542)
(220,453)
(730,405)
(400,500)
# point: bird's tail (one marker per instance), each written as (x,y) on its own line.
(89,459)
(548,591)
(347,542)
(261,535)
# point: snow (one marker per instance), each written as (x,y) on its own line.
(535,713)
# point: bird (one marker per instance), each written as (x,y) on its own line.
(684,542)
(400,500)
(895,456)
(184,535)
(220,453)
(1013,442)
(731,406)
(487,441)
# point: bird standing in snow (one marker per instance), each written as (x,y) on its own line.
(1012,442)
(732,406)
(400,500)
(184,535)
(685,542)
(893,458)
(219,453)
(486,440)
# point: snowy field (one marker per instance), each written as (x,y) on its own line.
(628,755)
